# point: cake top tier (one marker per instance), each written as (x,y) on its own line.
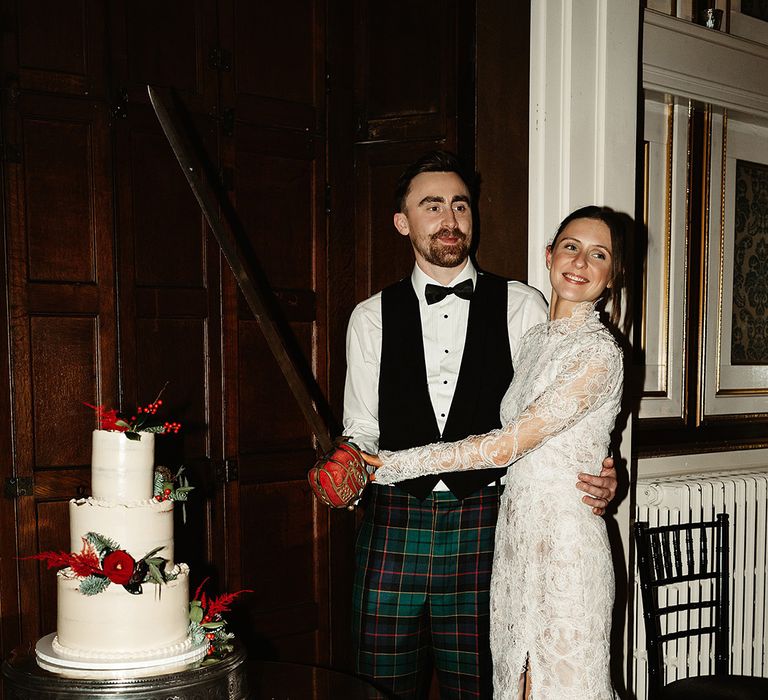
(122,470)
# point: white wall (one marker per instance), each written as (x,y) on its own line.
(583,128)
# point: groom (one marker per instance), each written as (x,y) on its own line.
(430,358)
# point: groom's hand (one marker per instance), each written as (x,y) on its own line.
(373,461)
(599,490)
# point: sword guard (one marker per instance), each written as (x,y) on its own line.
(340,476)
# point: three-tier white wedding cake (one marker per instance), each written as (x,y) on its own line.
(123,601)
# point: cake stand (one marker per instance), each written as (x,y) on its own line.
(26,679)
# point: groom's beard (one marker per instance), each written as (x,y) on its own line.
(439,254)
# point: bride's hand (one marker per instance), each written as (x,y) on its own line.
(374,461)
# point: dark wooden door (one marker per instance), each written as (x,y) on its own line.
(307,111)
(113,277)
(274,96)
(413,89)
(168,261)
(60,291)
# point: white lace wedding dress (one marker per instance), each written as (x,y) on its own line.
(553,581)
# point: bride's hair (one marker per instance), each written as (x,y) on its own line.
(618,226)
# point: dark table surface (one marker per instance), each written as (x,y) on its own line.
(271,680)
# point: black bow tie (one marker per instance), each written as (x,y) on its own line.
(435,293)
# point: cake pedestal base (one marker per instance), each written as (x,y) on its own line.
(96,669)
(224,680)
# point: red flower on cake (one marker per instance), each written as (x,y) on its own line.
(118,566)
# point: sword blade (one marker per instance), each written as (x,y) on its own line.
(256,291)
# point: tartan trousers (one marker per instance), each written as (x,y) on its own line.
(422,590)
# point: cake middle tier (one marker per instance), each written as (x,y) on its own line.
(137,528)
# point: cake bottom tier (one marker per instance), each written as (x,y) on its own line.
(117,625)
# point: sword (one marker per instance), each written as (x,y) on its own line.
(249,276)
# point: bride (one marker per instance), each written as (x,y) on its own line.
(553,584)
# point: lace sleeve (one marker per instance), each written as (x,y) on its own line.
(581,385)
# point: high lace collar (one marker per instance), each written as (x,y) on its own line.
(583,314)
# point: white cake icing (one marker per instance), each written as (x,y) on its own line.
(115,624)
(122,470)
(137,527)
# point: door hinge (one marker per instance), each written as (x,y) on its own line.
(220,59)
(225,470)
(10,153)
(327,199)
(18,486)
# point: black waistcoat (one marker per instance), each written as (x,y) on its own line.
(406,416)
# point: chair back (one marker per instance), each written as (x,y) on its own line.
(691,556)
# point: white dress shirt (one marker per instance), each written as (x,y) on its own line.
(444,328)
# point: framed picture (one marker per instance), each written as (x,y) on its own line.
(735,332)
(662,335)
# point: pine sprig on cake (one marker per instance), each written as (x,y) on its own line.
(172,487)
(101,543)
(169,486)
(93,585)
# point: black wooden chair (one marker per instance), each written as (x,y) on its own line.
(694,555)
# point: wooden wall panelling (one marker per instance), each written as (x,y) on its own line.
(260,106)
(406,76)
(405,103)
(277,75)
(500,137)
(383,255)
(63,316)
(278,190)
(274,97)
(9,605)
(286,616)
(51,537)
(169,282)
(169,264)
(341,299)
(340,200)
(172,44)
(59,46)
(160,233)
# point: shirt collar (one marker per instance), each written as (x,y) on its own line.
(420,279)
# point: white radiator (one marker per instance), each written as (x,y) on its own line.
(698,497)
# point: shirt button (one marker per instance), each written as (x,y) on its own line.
(445,315)
(445,381)
(446,352)
(442,415)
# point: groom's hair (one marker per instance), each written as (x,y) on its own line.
(432,162)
